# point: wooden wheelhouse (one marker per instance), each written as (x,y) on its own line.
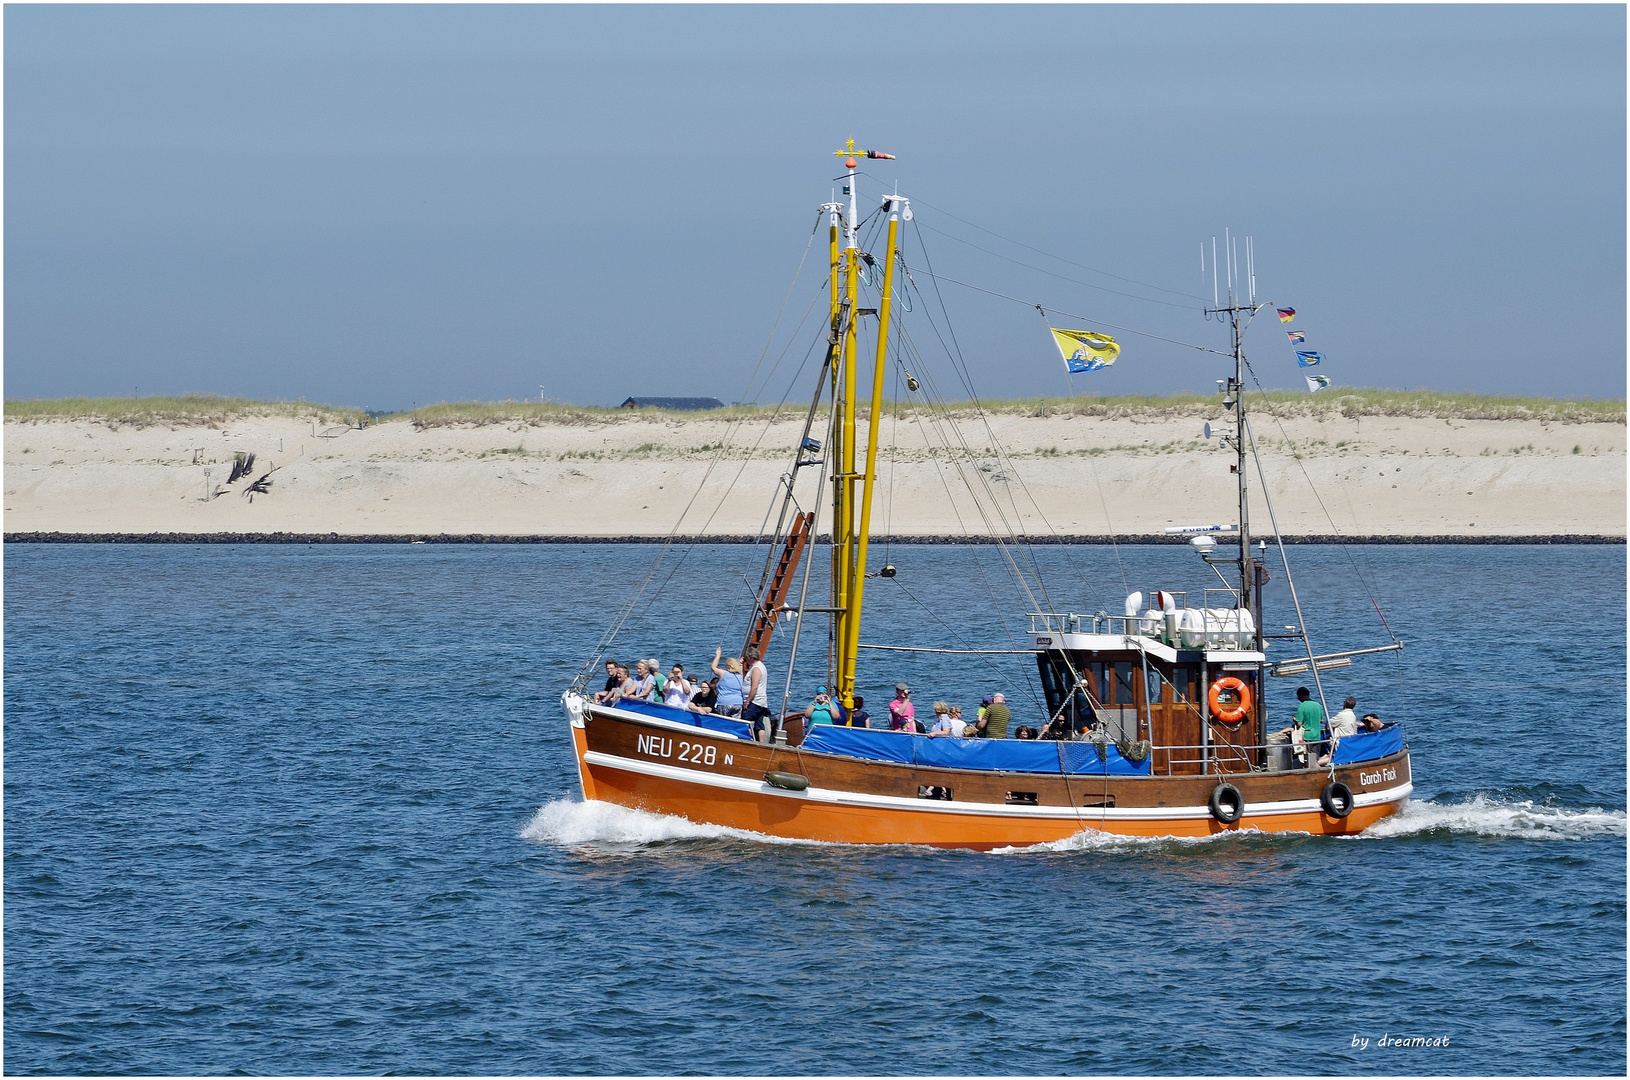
(1143,677)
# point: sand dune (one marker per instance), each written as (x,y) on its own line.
(1134,475)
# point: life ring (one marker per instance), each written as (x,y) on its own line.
(1337,799)
(1230,712)
(1227,804)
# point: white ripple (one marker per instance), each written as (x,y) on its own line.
(575,824)
(1485,816)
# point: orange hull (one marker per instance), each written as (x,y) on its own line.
(800,816)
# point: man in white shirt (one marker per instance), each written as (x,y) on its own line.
(1342,724)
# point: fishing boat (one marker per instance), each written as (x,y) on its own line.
(1157,713)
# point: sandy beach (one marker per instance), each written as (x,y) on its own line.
(1130,475)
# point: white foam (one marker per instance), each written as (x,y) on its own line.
(1098,840)
(1485,816)
(576,824)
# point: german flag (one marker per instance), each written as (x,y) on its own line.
(1286,314)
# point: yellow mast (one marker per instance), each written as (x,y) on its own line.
(857,582)
(843,403)
(848,542)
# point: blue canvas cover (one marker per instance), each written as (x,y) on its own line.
(684,716)
(862,743)
(1008,755)
(1369,745)
(1082,757)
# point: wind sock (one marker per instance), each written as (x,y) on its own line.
(1315,383)
(1308,358)
(1296,336)
(1286,314)
(1084,351)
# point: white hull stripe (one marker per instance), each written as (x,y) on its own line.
(663,722)
(935,806)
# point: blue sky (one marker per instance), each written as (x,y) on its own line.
(385,205)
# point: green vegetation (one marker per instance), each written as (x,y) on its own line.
(480,413)
(170,411)
(1351,403)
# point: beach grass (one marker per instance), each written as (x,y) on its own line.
(1350,402)
(1355,401)
(185,410)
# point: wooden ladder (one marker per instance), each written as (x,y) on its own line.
(775,595)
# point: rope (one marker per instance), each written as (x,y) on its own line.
(1296,455)
(1061,277)
(1050,255)
(609,637)
(1083,318)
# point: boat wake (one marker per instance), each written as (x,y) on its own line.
(1095,840)
(567,823)
(1484,816)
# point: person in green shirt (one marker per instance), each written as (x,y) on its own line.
(993,725)
(1310,717)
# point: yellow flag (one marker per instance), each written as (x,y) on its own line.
(1085,351)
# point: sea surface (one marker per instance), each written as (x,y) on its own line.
(312,809)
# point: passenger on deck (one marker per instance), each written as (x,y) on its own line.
(679,689)
(756,709)
(616,679)
(941,724)
(1025,733)
(1372,722)
(993,725)
(1310,718)
(823,710)
(1342,724)
(859,717)
(707,695)
(730,685)
(654,666)
(645,683)
(1057,729)
(902,714)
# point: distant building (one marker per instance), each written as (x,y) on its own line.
(689,403)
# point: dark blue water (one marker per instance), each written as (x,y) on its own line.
(312,810)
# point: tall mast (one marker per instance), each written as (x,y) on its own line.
(1239,311)
(849,536)
(834,344)
(857,582)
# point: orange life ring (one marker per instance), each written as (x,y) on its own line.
(1235,710)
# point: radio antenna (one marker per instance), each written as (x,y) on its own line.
(1214,300)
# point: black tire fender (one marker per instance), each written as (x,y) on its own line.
(1336,799)
(1227,804)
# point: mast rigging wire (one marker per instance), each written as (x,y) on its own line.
(1073,315)
(1042,251)
(1061,277)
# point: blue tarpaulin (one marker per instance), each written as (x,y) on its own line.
(1006,755)
(861,743)
(1082,757)
(1369,745)
(995,755)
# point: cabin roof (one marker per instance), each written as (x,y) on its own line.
(683,403)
